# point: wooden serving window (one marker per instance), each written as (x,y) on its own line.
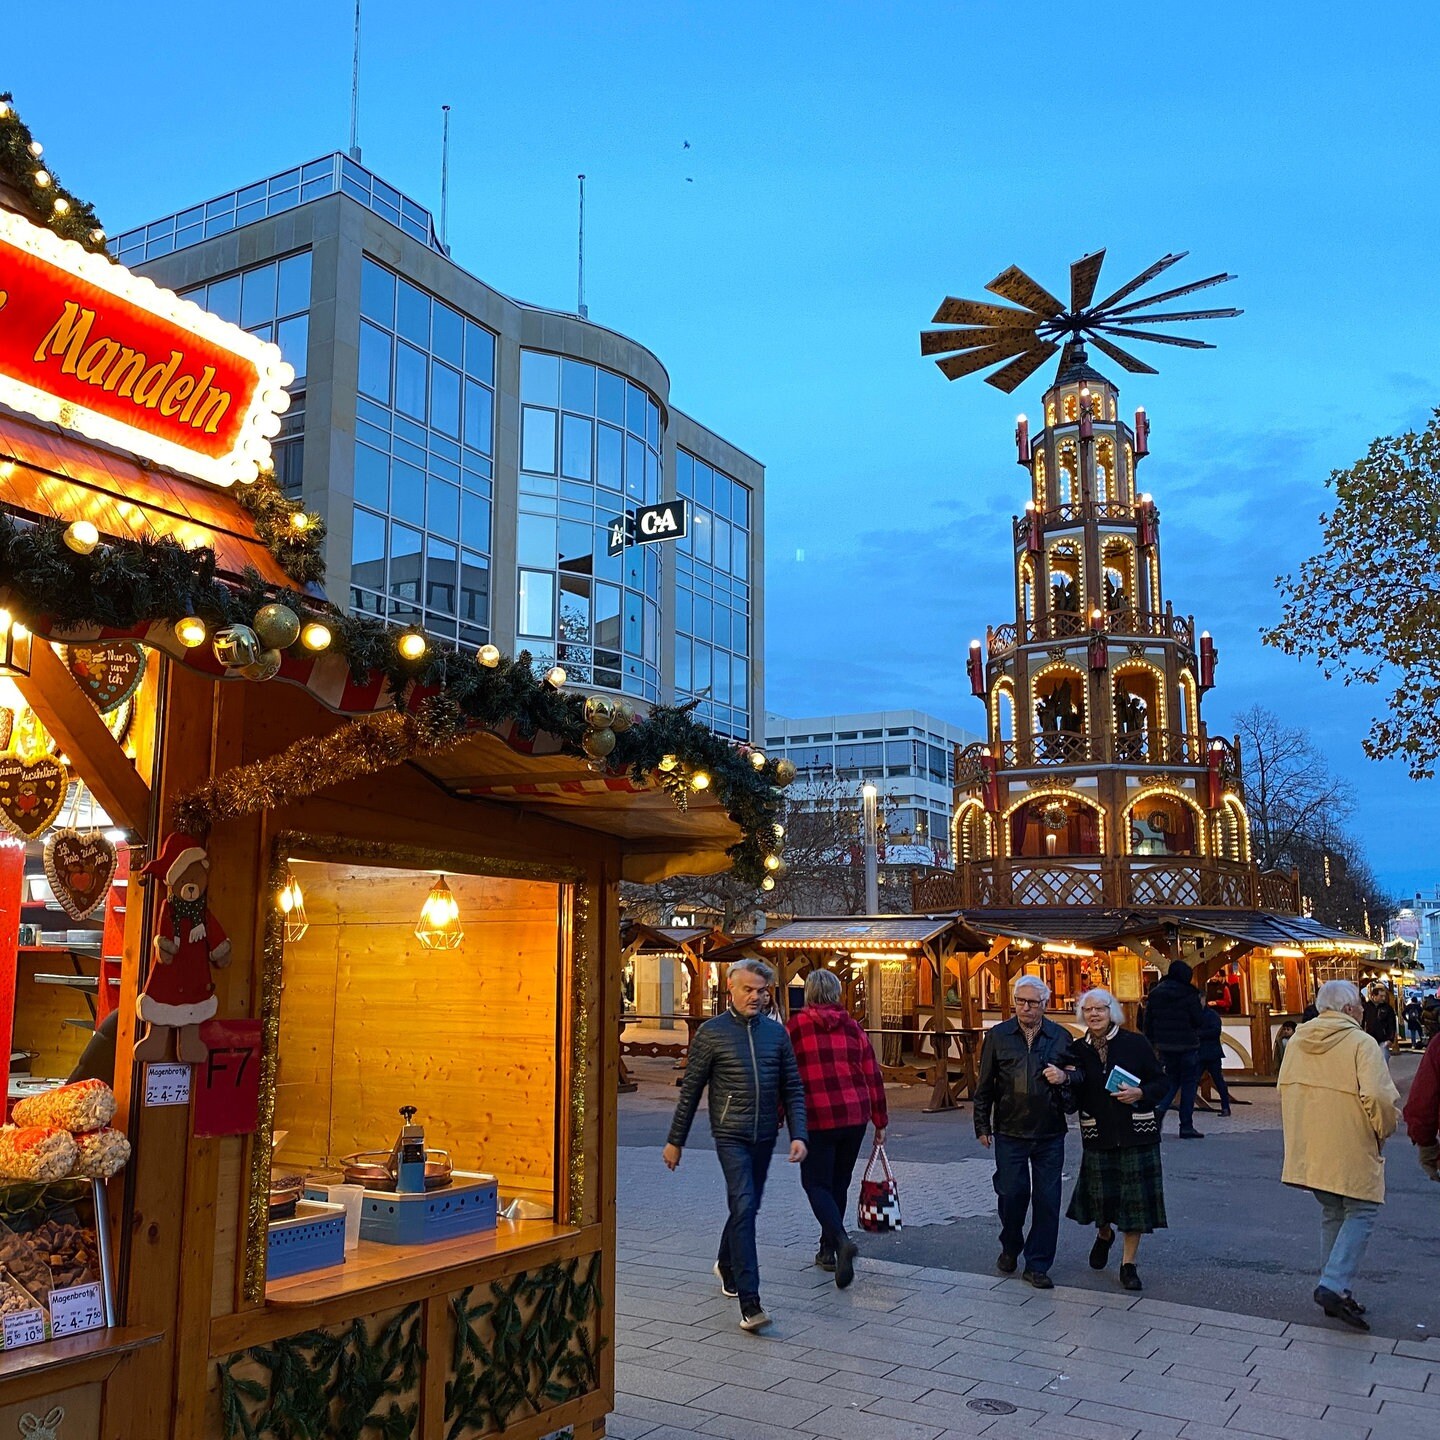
(477,1036)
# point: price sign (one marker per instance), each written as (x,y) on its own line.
(167,1084)
(25,1328)
(76,1309)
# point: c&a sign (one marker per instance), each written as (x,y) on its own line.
(88,345)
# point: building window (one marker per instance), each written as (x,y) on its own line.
(425,426)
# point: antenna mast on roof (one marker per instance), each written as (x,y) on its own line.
(355,91)
(580,309)
(445,183)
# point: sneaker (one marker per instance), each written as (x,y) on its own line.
(1130,1278)
(1341,1307)
(1191,1134)
(1005,1263)
(1100,1250)
(825,1259)
(1039,1279)
(726,1276)
(752,1314)
(845,1264)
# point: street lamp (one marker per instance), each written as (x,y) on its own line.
(869,796)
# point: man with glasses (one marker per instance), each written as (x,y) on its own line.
(1019,1108)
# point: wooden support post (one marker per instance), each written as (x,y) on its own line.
(941,1097)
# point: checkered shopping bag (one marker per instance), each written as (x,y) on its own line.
(879,1208)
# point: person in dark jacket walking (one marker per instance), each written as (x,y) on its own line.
(844,1092)
(1378,1018)
(1121,1186)
(1019,1107)
(1210,1058)
(1173,1015)
(1412,1023)
(1422,1109)
(749,1066)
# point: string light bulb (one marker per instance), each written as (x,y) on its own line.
(36,149)
(81,537)
(488,656)
(779,830)
(62,205)
(757,759)
(42,179)
(556,677)
(412,645)
(439,927)
(768,883)
(700,780)
(772,862)
(299,521)
(190,631)
(316,636)
(98,235)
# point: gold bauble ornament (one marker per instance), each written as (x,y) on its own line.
(599,712)
(622,717)
(278,626)
(599,743)
(267,667)
(784,772)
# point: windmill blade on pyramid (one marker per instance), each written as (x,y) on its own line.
(1020,340)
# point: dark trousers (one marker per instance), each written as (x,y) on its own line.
(1027,1179)
(825,1175)
(1182,1071)
(1213,1068)
(745,1168)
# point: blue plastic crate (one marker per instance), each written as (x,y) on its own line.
(314,1239)
(467,1206)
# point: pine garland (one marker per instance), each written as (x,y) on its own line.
(297,549)
(76,220)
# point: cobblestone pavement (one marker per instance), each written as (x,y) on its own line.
(912,1353)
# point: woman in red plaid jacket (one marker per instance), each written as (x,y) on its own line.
(843,1093)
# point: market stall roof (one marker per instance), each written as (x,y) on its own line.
(860,932)
(58,476)
(660,839)
(696,939)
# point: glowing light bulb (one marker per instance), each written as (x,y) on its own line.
(299,521)
(42,179)
(62,205)
(772,862)
(98,236)
(700,780)
(412,645)
(768,883)
(190,631)
(81,537)
(316,636)
(779,831)
(488,656)
(556,677)
(757,759)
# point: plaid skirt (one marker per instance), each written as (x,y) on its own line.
(1121,1187)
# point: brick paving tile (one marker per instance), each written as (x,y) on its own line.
(622,1427)
(955,1417)
(741,1427)
(660,1384)
(1120,1415)
(862,1425)
(1223,1318)
(763,1405)
(1255,1421)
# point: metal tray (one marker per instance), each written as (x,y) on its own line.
(371,1168)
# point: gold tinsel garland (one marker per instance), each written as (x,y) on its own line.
(363,747)
(581,1000)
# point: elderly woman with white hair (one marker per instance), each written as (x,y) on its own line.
(1338,1106)
(1118,1082)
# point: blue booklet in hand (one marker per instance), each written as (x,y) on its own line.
(1120,1076)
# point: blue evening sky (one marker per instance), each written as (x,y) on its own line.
(849,165)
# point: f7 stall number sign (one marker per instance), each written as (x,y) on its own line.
(669,520)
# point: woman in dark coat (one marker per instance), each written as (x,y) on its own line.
(1120,1185)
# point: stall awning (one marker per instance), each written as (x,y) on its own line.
(695,940)
(860,932)
(56,476)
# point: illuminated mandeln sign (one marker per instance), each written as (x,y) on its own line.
(88,345)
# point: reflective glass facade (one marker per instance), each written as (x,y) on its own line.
(712,596)
(272,301)
(589,450)
(424,441)
(273,196)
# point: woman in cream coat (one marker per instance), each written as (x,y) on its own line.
(1339,1106)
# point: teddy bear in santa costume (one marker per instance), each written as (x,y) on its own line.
(179,993)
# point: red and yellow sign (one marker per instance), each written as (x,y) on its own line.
(88,345)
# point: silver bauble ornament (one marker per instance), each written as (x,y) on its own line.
(237,646)
(598,712)
(622,717)
(278,626)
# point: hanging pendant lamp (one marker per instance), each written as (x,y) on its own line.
(439,927)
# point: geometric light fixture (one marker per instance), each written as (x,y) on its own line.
(439,927)
(15,643)
(292,907)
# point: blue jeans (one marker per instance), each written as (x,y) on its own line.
(745,1166)
(1182,1071)
(1214,1069)
(1027,1177)
(1345,1227)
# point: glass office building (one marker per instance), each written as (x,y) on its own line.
(469,452)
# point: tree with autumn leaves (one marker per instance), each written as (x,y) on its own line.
(1366,607)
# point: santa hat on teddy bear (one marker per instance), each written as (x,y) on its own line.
(177,853)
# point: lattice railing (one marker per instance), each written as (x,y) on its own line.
(1279,891)
(1050,883)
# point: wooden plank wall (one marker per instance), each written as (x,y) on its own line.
(371,1020)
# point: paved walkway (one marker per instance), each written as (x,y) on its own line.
(916,1353)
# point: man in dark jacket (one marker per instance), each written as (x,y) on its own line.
(1211,1055)
(1174,1015)
(749,1066)
(1019,1107)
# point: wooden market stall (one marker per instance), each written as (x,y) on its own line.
(363,983)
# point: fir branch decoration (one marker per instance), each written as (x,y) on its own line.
(297,547)
(74,219)
(327,1382)
(532,1345)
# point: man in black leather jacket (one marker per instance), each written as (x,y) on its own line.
(1174,1017)
(749,1066)
(1019,1106)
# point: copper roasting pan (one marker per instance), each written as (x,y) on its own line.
(371,1168)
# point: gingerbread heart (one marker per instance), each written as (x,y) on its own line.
(80,864)
(108,674)
(32,793)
